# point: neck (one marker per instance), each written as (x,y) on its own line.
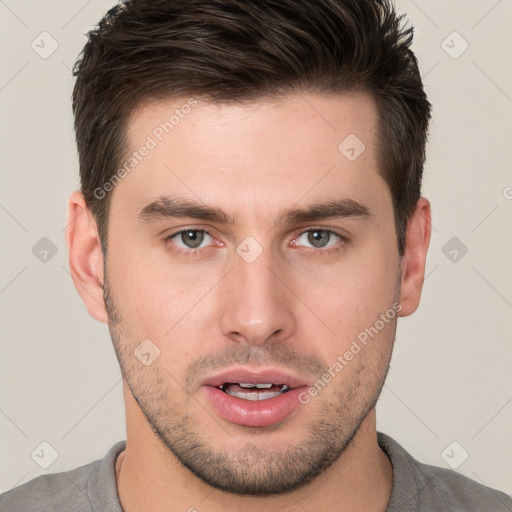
(149,477)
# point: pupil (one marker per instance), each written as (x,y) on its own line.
(192,238)
(318,238)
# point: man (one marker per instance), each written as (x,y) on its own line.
(250,225)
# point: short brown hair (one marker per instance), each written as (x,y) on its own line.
(234,50)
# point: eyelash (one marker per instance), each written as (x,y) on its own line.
(321,252)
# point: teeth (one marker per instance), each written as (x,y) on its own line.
(259,386)
(253,396)
(284,387)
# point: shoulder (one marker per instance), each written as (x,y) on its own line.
(49,492)
(422,487)
(85,489)
(460,491)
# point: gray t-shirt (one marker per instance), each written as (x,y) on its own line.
(416,487)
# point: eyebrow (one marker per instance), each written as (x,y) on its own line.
(166,207)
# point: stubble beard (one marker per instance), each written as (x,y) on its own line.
(251,470)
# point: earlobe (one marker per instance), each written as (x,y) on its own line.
(414,258)
(85,256)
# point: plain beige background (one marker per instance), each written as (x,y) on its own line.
(449,391)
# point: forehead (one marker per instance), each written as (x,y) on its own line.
(254,155)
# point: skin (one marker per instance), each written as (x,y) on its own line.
(297,307)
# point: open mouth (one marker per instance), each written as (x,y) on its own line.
(253,392)
(251,398)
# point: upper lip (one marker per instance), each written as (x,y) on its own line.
(254,376)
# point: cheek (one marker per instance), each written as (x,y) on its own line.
(150,284)
(166,304)
(350,298)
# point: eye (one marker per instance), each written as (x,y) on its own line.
(190,238)
(318,238)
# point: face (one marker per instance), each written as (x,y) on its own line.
(247,246)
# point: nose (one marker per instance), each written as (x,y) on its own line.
(256,305)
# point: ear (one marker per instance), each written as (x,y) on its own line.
(85,256)
(414,258)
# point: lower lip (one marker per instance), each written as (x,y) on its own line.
(260,413)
